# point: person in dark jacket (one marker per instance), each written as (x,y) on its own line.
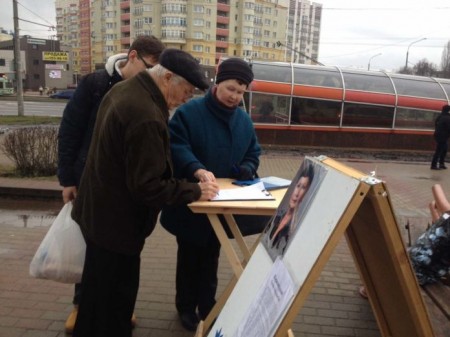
(79,117)
(126,181)
(441,135)
(211,137)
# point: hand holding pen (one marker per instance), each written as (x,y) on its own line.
(208,185)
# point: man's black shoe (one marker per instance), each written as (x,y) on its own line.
(434,168)
(189,320)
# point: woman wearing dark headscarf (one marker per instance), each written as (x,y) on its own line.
(211,137)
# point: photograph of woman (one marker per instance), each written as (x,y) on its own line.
(287,219)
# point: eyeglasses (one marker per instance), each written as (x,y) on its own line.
(148,66)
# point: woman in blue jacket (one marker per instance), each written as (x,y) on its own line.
(211,137)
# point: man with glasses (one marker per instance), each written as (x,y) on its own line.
(80,113)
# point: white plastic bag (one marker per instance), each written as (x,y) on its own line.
(60,257)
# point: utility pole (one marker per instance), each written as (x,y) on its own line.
(279,44)
(17,63)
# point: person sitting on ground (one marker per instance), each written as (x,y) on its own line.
(430,254)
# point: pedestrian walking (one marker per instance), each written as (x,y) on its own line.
(441,135)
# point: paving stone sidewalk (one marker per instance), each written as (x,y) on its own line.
(38,308)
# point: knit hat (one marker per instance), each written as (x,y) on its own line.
(185,65)
(234,69)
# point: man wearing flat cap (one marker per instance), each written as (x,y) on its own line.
(211,137)
(126,182)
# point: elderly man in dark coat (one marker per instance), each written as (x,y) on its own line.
(126,182)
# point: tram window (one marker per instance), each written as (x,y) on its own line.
(446,88)
(272,109)
(315,112)
(419,88)
(366,82)
(325,78)
(370,116)
(273,73)
(407,118)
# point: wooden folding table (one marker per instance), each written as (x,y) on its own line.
(228,208)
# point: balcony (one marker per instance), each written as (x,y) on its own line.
(222,32)
(223,20)
(125,17)
(219,55)
(125,29)
(223,7)
(125,4)
(221,44)
(125,40)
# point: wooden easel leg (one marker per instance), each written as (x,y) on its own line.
(199,332)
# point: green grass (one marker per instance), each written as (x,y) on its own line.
(29,120)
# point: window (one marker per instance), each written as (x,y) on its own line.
(199,9)
(199,22)
(35,62)
(356,114)
(197,47)
(2,62)
(198,35)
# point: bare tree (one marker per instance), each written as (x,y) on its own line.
(425,68)
(445,61)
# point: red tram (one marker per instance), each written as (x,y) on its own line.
(305,105)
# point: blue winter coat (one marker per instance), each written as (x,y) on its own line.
(205,134)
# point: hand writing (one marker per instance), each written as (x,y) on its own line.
(209,190)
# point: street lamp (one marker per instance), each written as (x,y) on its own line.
(368,66)
(407,51)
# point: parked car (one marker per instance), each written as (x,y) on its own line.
(66,94)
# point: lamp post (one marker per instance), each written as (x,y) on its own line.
(407,51)
(368,66)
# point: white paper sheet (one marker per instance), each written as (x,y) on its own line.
(252,192)
(270,302)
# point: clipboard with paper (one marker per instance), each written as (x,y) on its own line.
(253,192)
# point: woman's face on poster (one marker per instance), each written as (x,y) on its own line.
(299,192)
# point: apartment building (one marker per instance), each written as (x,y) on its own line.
(208,29)
(303,32)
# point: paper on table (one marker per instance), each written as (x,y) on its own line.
(252,192)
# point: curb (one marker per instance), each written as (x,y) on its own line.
(30,193)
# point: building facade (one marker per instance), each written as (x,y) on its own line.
(43,62)
(208,29)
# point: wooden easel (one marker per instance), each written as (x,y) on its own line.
(381,257)
(369,224)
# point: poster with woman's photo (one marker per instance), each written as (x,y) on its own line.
(288,218)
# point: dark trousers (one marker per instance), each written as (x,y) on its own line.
(77,293)
(440,153)
(110,285)
(196,279)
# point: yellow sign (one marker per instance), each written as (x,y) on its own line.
(60,56)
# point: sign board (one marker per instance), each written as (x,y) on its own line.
(281,272)
(55,66)
(59,56)
(36,41)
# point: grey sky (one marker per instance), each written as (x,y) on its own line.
(353,31)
